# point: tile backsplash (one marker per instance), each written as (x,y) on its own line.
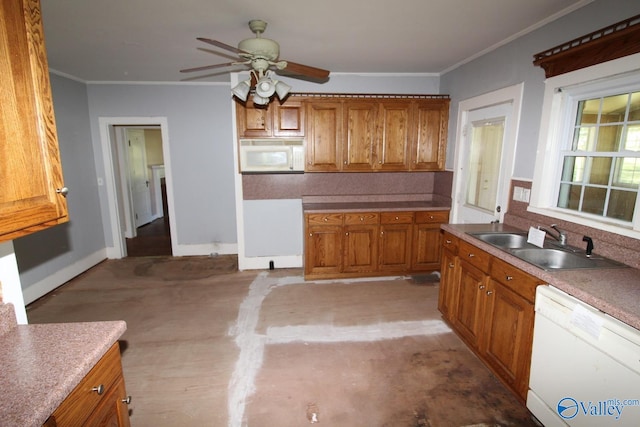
(615,246)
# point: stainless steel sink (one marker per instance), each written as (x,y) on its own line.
(504,240)
(558,259)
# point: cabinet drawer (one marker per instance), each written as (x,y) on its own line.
(396,218)
(432,217)
(450,242)
(474,256)
(84,399)
(325,219)
(361,218)
(515,279)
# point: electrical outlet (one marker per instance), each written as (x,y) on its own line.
(526,194)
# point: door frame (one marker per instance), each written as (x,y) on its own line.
(509,95)
(117,205)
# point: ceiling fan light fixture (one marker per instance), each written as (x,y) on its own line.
(259,100)
(282,89)
(241,90)
(265,87)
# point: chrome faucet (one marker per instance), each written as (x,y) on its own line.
(561,237)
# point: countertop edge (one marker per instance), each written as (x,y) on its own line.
(561,280)
(43,363)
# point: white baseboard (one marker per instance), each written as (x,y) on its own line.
(262,263)
(207,249)
(60,277)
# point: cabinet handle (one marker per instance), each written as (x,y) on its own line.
(127,400)
(471,255)
(361,218)
(346,234)
(326,219)
(451,265)
(448,242)
(509,277)
(62,191)
(397,218)
(99,389)
(310,234)
(430,216)
(481,287)
(489,292)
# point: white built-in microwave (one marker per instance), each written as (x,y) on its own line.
(271,155)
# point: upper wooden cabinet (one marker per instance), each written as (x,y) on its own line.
(272,120)
(324,136)
(31,183)
(431,120)
(376,134)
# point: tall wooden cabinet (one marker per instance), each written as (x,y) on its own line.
(31,183)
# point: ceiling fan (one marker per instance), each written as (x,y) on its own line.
(261,56)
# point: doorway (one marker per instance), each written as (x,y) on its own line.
(138,183)
(485,152)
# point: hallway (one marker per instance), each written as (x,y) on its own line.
(207,345)
(153,239)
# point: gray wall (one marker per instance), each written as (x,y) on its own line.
(200,135)
(513,63)
(41,254)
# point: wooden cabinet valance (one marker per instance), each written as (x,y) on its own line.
(612,42)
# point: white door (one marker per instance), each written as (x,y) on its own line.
(487,130)
(138,177)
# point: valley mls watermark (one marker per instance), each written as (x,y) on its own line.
(568,407)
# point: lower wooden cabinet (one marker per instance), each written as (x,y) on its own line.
(359,244)
(490,304)
(99,400)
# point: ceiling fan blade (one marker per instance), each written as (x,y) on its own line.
(208,67)
(306,70)
(221,45)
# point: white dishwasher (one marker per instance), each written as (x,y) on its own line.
(585,365)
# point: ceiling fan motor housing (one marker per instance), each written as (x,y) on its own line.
(260,47)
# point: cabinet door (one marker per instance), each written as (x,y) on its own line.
(392,151)
(360,129)
(288,118)
(448,284)
(468,316)
(508,336)
(360,248)
(30,168)
(429,145)
(395,247)
(323,252)
(324,136)
(427,247)
(254,120)
(360,133)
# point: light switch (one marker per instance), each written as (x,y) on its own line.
(517,194)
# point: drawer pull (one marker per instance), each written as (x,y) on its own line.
(489,292)
(481,287)
(509,277)
(397,218)
(326,219)
(451,265)
(361,218)
(448,242)
(471,255)
(99,389)
(346,234)
(430,216)
(127,400)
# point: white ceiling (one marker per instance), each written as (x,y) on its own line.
(151,40)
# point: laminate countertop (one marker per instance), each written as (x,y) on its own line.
(41,364)
(614,291)
(368,203)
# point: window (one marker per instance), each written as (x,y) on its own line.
(588,163)
(601,164)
